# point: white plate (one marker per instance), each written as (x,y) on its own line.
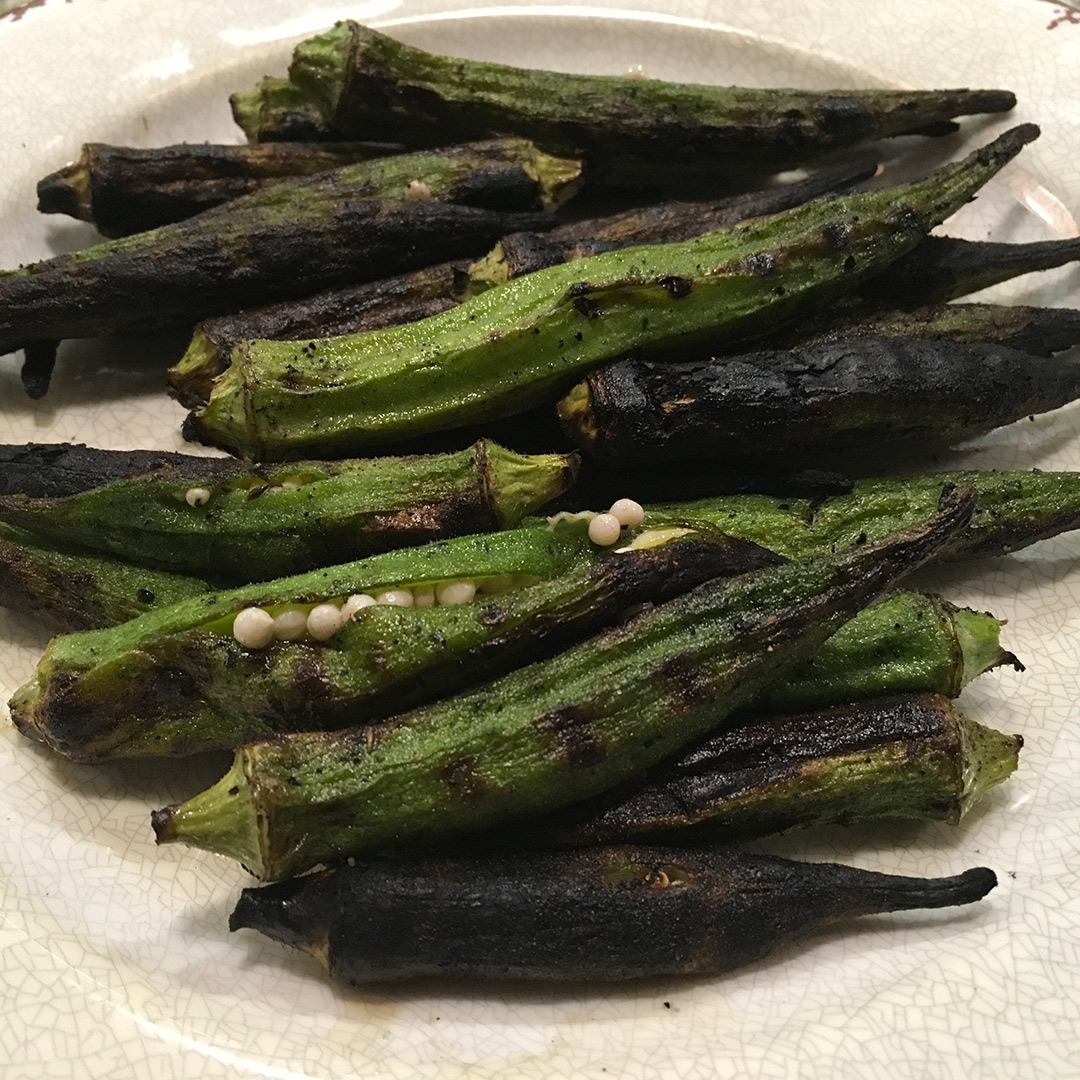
(116,961)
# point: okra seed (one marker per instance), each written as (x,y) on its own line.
(627,512)
(253,628)
(395,597)
(197,496)
(417,191)
(291,483)
(290,625)
(354,604)
(604,529)
(455,592)
(274,489)
(323,621)
(424,596)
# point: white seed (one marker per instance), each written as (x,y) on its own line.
(291,483)
(290,625)
(604,529)
(197,496)
(274,489)
(395,597)
(456,592)
(323,621)
(253,628)
(424,596)
(354,604)
(627,512)
(636,71)
(417,191)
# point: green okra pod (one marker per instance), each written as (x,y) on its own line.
(353,82)
(825,396)
(408,297)
(114,694)
(124,190)
(68,589)
(601,913)
(913,757)
(237,522)
(287,240)
(550,734)
(524,342)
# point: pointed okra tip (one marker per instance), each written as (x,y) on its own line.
(989,758)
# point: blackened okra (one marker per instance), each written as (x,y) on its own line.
(124,190)
(522,343)
(597,914)
(550,734)
(68,589)
(913,757)
(354,82)
(114,693)
(831,395)
(238,522)
(289,239)
(408,297)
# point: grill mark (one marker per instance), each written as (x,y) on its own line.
(571,735)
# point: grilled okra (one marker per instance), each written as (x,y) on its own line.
(520,344)
(124,190)
(408,297)
(825,396)
(286,240)
(537,592)
(68,589)
(550,734)
(353,82)
(601,913)
(912,757)
(237,522)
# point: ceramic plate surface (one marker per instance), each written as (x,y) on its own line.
(115,960)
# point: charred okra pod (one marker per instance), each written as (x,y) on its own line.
(601,913)
(456,630)
(822,397)
(238,522)
(519,345)
(912,757)
(408,297)
(547,735)
(290,239)
(353,82)
(942,268)
(124,190)
(69,589)
(113,694)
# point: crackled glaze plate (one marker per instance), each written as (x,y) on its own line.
(115,960)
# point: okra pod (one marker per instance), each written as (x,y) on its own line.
(123,190)
(913,757)
(547,735)
(598,914)
(520,344)
(943,268)
(290,239)
(823,397)
(252,523)
(69,589)
(381,661)
(408,297)
(353,82)
(1014,509)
